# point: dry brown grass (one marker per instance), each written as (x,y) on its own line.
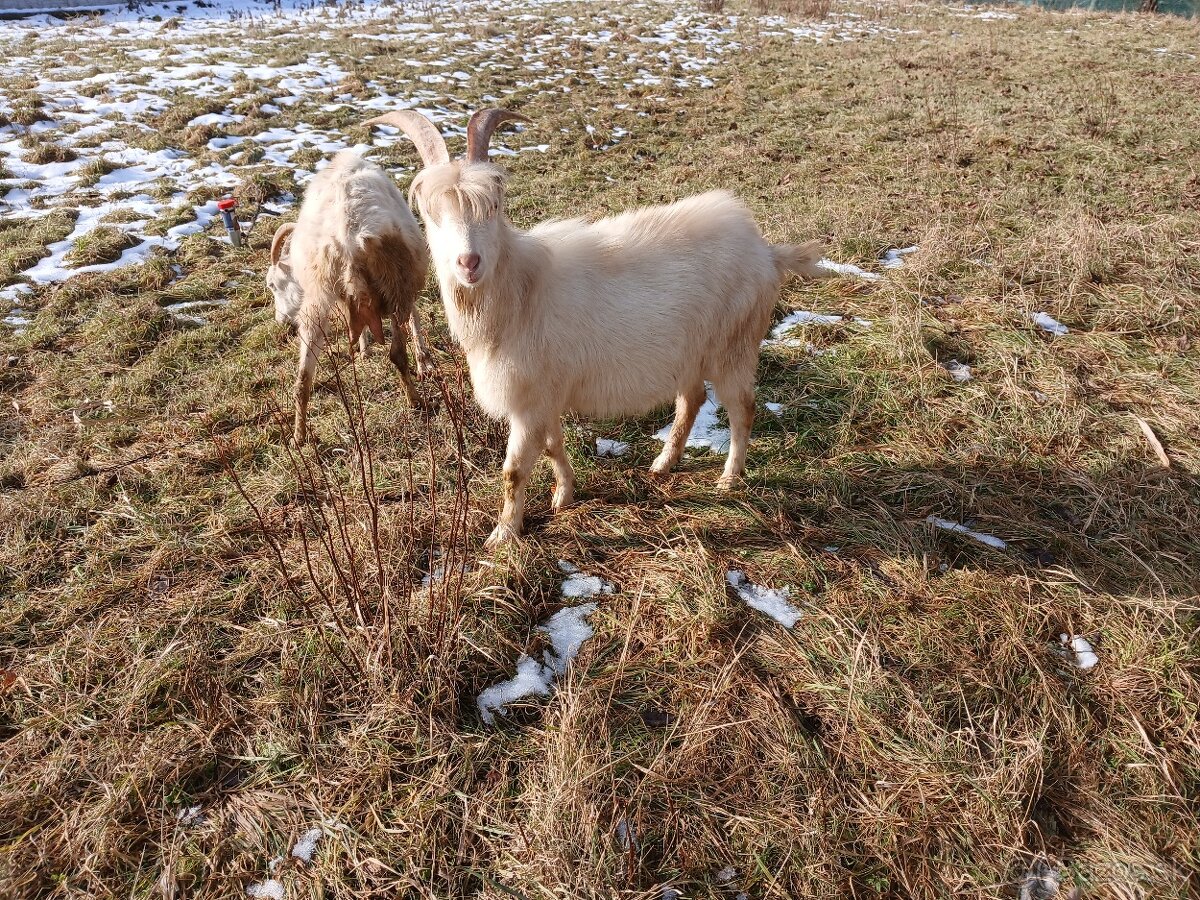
(195,614)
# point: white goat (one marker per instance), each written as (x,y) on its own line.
(355,248)
(605,319)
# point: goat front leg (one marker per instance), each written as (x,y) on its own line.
(687,406)
(564,475)
(398,354)
(312,341)
(525,444)
(421,351)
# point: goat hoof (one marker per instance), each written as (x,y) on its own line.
(563,497)
(661,467)
(424,407)
(728,482)
(501,535)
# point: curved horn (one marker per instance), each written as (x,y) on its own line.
(280,238)
(421,131)
(480,128)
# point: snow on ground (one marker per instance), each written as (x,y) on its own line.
(769,601)
(190,816)
(610,447)
(1081,652)
(307,845)
(894,259)
(707,431)
(1047,323)
(958,371)
(567,631)
(779,334)
(579,584)
(625,835)
(989,540)
(103,83)
(437,569)
(891,259)
(271,889)
(849,269)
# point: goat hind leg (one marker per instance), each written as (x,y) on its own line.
(736,394)
(564,475)
(398,354)
(687,405)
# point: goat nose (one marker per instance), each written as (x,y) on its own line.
(469,261)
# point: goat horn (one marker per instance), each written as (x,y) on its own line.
(421,131)
(480,128)
(281,235)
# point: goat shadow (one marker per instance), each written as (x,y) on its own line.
(1125,529)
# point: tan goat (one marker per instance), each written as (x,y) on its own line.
(355,249)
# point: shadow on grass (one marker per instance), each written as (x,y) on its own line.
(1123,530)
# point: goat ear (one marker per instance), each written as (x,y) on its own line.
(280,241)
(414,188)
(481,126)
(420,131)
(365,316)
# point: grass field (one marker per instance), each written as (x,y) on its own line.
(211,643)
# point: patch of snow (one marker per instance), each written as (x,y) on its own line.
(848,269)
(779,334)
(189,816)
(436,572)
(533,679)
(17,320)
(1047,323)
(775,408)
(266,890)
(894,259)
(579,585)
(567,630)
(182,310)
(726,875)
(706,432)
(770,601)
(1084,655)
(958,371)
(12,292)
(610,447)
(989,540)
(214,119)
(307,845)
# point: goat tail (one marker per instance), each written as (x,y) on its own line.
(799,259)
